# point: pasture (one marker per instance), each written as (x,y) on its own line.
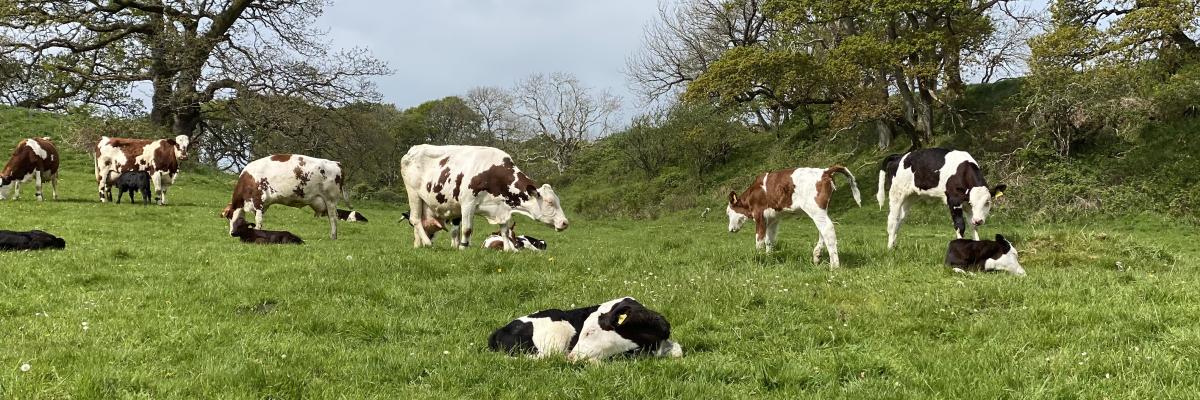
(159,302)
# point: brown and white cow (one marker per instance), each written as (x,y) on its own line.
(950,175)
(292,180)
(445,182)
(807,189)
(33,158)
(160,158)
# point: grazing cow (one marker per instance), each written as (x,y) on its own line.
(247,233)
(132,182)
(984,255)
(32,240)
(35,158)
(807,189)
(950,175)
(590,333)
(350,215)
(292,180)
(160,158)
(446,182)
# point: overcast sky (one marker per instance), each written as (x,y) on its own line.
(441,48)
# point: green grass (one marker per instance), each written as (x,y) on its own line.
(175,308)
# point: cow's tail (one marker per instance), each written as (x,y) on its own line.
(853,184)
(346,197)
(887,168)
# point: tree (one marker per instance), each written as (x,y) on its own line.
(564,113)
(495,107)
(188,51)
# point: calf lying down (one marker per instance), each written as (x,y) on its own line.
(619,326)
(522,242)
(246,231)
(32,240)
(983,255)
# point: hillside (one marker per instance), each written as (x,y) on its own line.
(159,302)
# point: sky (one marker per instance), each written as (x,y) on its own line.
(440,48)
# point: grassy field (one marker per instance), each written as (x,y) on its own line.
(159,302)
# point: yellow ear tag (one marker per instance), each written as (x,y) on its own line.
(621,319)
(998,194)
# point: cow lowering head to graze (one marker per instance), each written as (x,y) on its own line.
(351,216)
(32,240)
(433,225)
(248,234)
(950,175)
(445,182)
(619,326)
(292,180)
(984,255)
(160,158)
(36,159)
(132,182)
(787,190)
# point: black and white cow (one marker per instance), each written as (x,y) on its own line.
(984,255)
(520,242)
(292,180)
(32,240)
(351,216)
(447,182)
(619,326)
(950,175)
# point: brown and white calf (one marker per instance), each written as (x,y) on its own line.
(445,182)
(160,158)
(292,180)
(950,175)
(787,190)
(35,158)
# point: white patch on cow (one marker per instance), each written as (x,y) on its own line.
(669,348)
(981,204)
(1007,263)
(37,148)
(492,240)
(550,337)
(736,219)
(595,343)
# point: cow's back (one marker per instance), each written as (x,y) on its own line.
(441,174)
(295,179)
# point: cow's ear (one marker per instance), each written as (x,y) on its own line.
(999,190)
(614,318)
(733,197)
(1000,238)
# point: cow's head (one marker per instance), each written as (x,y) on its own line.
(548,208)
(181,146)
(737,211)
(430,225)
(981,201)
(239,227)
(625,327)
(1005,258)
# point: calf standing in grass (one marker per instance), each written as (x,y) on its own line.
(246,231)
(32,240)
(984,255)
(787,190)
(132,181)
(33,158)
(590,333)
(950,175)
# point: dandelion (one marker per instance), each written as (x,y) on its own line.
(445,352)
(25,367)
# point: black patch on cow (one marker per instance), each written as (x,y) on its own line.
(972,254)
(517,336)
(926,165)
(344,215)
(535,242)
(889,166)
(31,240)
(642,326)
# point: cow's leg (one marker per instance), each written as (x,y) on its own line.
(464,229)
(960,223)
(505,232)
(828,236)
(772,230)
(817,250)
(54,185)
(16,190)
(331,211)
(37,184)
(416,217)
(258,217)
(102,188)
(896,214)
(760,231)
(156,181)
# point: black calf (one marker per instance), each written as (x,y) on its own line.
(132,181)
(247,233)
(32,240)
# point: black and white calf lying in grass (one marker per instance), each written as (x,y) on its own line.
(246,232)
(522,242)
(351,215)
(619,326)
(984,255)
(32,240)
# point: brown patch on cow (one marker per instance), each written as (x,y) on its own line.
(164,158)
(281,157)
(246,189)
(825,188)
(457,185)
(496,245)
(444,161)
(499,178)
(441,184)
(303,177)
(300,161)
(131,148)
(25,161)
(429,187)
(777,196)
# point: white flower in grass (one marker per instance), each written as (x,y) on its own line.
(25,367)
(445,352)
(85,325)
(349,258)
